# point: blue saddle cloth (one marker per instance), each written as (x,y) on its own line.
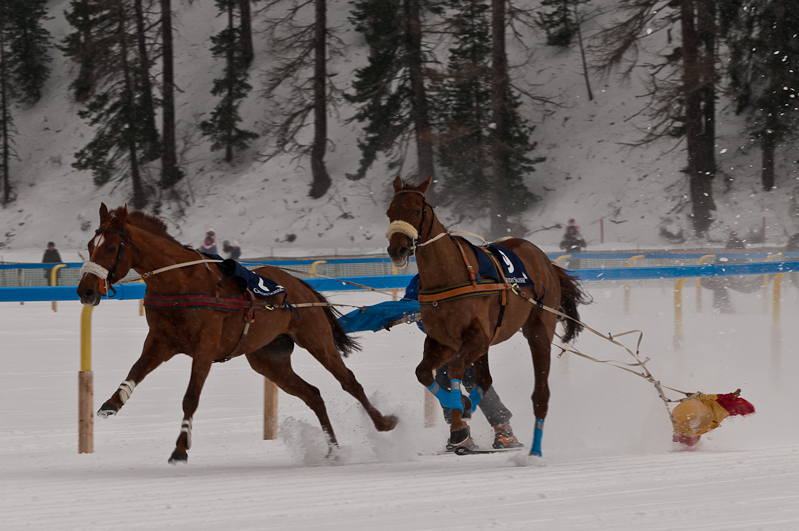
(260,286)
(512,266)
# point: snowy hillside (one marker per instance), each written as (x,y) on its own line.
(589,172)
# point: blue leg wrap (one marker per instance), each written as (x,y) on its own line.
(443,395)
(455,395)
(476,396)
(538,432)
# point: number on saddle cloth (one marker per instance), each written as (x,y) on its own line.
(260,286)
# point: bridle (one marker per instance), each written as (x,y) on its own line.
(413,234)
(106,276)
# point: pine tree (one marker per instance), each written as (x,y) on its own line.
(390,91)
(82,48)
(223,128)
(121,108)
(559,21)
(464,122)
(23,71)
(28,45)
(763,37)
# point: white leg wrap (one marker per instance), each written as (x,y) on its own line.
(125,390)
(186,428)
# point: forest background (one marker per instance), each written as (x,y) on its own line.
(281,123)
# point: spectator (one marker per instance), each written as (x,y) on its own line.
(570,224)
(209,244)
(51,256)
(572,242)
(233,251)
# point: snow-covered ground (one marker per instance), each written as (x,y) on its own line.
(609,460)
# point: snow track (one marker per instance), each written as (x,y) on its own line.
(609,463)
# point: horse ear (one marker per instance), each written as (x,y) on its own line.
(425,185)
(122,214)
(397,184)
(103,212)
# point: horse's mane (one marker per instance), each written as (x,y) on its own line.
(152,224)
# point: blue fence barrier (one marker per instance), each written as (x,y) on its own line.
(720,255)
(136,290)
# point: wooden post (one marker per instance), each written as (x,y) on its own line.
(431,409)
(394,292)
(771,258)
(270,410)
(86,385)
(699,283)
(678,334)
(627,283)
(776,328)
(602,230)
(141,304)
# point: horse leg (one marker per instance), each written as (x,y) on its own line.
(539,336)
(474,346)
(200,367)
(324,350)
(274,362)
(153,354)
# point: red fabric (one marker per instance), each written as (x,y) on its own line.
(685,439)
(735,405)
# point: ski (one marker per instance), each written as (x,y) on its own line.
(462,450)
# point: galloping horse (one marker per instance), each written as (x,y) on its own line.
(200,311)
(463,316)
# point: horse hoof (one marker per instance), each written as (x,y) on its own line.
(107,410)
(391,422)
(458,436)
(178,458)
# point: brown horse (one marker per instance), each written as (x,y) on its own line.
(209,327)
(460,331)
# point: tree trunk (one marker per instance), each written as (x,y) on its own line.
(321,179)
(170,173)
(499,89)
(148,105)
(706,37)
(139,200)
(419,110)
(768,144)
(84,83)
(5,116)
(230,72)
(768,141)
(701,192)
(247,49)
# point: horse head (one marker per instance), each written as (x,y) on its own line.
(411,220)
(111,253)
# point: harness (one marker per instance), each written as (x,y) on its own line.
(107,276)
(474,288)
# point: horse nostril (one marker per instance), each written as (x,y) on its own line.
(402,251)
(89,293)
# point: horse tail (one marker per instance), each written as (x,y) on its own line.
(571,295)
(345,343)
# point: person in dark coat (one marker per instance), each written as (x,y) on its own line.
(51,256)
(233,251)
(572,242)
